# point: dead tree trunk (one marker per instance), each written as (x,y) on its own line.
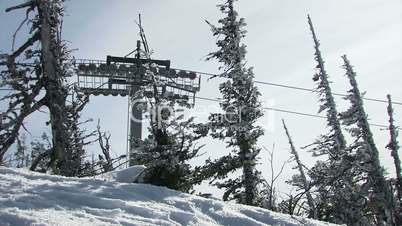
(48,72)
(55,93)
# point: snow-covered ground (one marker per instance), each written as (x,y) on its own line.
(28,198)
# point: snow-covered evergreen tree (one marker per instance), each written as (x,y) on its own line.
(303,178)
(241,107)
(375,187)
(76,137)
(171,142)
(167,155)
(332,144)
(393,146)
(332,176)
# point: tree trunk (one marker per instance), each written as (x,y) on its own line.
(55,93)
(249,184)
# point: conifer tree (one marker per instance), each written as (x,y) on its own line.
(241,109)
(375,187)
(331,177)
(333,144)
(393,146)
(171,142)
(300,167)
(76,137)
(167,159)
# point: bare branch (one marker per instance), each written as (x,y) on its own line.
(19,27)
(10,136)
(27,44)
(20,6)
(104,143)
(40,157)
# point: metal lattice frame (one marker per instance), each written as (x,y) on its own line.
(121,76)
(96,77)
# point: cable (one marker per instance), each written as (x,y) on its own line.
(278,110)
(289,87)
(295,112)
(294,87)
(282,86)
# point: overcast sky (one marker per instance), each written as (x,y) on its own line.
(279,48)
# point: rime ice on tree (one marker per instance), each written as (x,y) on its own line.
(241,111)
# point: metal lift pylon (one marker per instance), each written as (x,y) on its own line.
(124,76)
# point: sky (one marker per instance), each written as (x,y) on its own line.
(279,48)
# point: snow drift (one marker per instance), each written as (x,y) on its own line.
(129,175)
(28,198)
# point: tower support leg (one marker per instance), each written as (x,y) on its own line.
(135,127)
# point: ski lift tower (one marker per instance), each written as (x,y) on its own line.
(124,76)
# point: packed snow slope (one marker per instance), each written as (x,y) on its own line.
(28,198)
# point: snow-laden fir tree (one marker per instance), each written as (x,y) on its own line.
(77,138)
(393,146)
(303,178)
(379,200)
(166,154)
(172,141)
(332,144)
(332,177)
(241,107)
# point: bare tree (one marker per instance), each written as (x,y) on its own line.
(42,62)
(269,191)
(104,144)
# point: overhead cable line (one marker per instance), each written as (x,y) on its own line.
(294,87)
(293,112)
(271,109)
